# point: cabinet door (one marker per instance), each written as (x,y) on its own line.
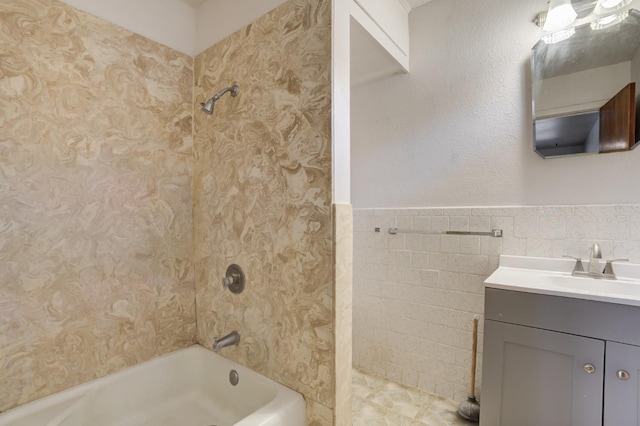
(621,398)
(538,377)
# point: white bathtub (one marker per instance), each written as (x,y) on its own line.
(189,387)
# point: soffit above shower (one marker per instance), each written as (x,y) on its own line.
(369,60)
(379,39)
(175,24)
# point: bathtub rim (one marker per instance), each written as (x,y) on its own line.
(61,404)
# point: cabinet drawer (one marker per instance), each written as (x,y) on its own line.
(601,320)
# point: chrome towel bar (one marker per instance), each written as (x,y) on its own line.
(493,233)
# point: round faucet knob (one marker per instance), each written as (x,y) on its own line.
(228,281)
(234,279)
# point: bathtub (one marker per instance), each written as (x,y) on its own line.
(189,387)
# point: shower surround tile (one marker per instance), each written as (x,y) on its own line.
(262,199)
(343,311)
(95,174)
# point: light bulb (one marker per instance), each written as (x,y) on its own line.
(561,15)
(611,3)
(608,6)
(609,21)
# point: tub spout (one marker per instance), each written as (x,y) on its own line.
(232,338)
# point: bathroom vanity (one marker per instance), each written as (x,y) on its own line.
(559,349)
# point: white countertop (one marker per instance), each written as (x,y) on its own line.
(553,277)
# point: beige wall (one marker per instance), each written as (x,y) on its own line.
(95,202)
(262,199)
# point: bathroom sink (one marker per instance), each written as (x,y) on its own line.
(620,287)
(553,277)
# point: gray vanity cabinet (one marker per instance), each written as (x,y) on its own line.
(556,361)
(537,377)
(621,398)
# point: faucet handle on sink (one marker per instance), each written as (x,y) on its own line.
(608,268)
(578,266)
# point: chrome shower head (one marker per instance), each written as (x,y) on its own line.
(207,107)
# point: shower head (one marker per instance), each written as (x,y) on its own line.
(207,107)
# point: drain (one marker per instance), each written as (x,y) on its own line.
(234,378)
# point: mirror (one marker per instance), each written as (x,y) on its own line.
(584,89)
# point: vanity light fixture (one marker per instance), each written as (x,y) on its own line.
(607,6)
(561,14)
(609,21)
(612,3)
(556,21)
(558,36)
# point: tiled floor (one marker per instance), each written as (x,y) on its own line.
(378,401)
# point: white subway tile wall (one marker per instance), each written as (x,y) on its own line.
(415,295)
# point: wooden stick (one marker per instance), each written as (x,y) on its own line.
(474,350)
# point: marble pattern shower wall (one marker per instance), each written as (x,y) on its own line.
(95,199)
(262,199)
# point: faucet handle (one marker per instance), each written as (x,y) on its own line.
(234,279)
(608,268)
(579,267)
(228,281)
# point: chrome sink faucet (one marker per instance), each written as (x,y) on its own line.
(594,259)
(230,339)
(595,255)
